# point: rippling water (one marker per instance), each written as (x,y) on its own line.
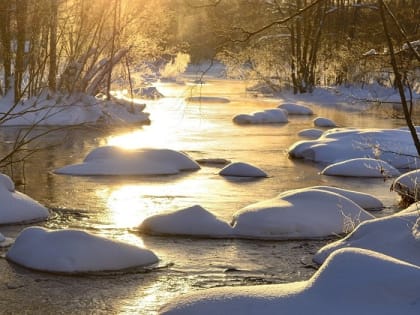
(115,206)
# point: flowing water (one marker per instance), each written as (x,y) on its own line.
(115,206)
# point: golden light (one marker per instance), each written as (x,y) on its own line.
(142,139)
(127,207)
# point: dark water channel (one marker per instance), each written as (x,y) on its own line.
(115,206)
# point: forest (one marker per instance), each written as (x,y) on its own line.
(86,46)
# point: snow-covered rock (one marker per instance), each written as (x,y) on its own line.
(311,133)
(295,109)
(394,146)
(74,251)
(268,116)
(324,122)
(352,281)
(408,185)
(191,221)
(365,201)
(241,169)
(361,167)
(299,214)
(111,160)
(397,236)
(63,110)
(16,207)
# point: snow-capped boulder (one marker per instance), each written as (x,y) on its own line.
(16,207)
(295,109)
(268,116)
(324,122)
(191,221)
(365,201)
(299,214)
(352,281)
(311,133)
(397,236)
(408,186)
(394,146)
(74,251)
(241,169)
(361,167)
(111,160)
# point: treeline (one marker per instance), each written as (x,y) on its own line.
(303,43)
(83,45)
(77,45)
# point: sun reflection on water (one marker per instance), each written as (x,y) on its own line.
(127,206)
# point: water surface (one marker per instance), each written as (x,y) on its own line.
(115,206)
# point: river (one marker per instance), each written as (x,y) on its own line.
(115,206)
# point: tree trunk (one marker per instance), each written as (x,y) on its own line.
(52,71)
(5,10)
(398,79)
(21,15)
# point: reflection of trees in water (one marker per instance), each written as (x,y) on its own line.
(29,150)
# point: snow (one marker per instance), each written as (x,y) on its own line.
(365,201)
(397,236)
(6,183)
(268,116)
(361,167)
(241,169)
(371,52)
(74,251)
(54,110)
(311,133)
(191,221)
(324,122)
(16,207)
(111,160)
(394,146)
(352,281)
(295,109)
(407,185)
(299,214)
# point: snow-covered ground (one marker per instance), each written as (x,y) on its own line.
(64,110)
(351,281)
(397,236)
